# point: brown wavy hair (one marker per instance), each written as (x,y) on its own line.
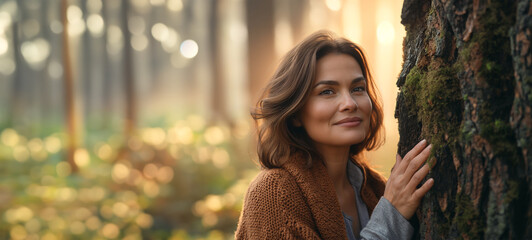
(287,92)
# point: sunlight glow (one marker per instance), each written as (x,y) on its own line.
(170,43)
(52,144)
(3,45)
(110,230)
(81,157)
(183,135)
(144,220)
(18,232)
(174,5)
(120,172)
(165,174)
(214,135)
(9,137)
(154,136)
(104,152)
(334,5)
(189,48)
(76,25)
(150,171)
(120,209)
(159,31)
(151,189)
(95,24)
(385,32)
(5,21)
(213,203)
(36,52)
(196,122)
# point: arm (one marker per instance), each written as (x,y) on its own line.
(274,208)
(401,197)
(387,223)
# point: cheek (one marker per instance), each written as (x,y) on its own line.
(316,113)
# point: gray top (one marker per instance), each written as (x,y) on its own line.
(385,222)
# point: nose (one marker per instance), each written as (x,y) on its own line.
(348,103)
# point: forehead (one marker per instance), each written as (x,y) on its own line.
(337,65)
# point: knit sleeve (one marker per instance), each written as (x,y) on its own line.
(387,223)
(274,208)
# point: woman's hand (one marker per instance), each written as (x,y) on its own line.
(401,189)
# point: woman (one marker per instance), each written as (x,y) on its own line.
(317,115)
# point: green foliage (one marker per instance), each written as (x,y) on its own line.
(183,181)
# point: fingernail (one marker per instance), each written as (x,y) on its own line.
(423,141)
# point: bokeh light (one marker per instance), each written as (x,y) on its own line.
(174,5)
(76,24)
(4,45)
(95,24)
(334,5)
(189,48)
(35,52)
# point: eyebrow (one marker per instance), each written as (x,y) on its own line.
(332,82)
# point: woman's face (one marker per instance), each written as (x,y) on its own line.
(337,112)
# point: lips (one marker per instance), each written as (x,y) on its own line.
(351,121)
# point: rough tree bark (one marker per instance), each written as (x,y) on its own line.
(466,87)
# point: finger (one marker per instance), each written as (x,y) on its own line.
(416,163)
(420,192)
(417,178)
(411,154)
(397,162)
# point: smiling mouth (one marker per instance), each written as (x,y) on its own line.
(349,122)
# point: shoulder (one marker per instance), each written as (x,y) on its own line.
(274,205)
(272,184)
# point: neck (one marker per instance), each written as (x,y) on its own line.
(336,162)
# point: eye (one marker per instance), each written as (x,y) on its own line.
(359,89)
(326,92)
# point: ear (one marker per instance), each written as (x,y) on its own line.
(295,121)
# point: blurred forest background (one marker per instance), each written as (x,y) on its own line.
(129,119)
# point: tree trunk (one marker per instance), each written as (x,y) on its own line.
(466,87)
(70,113)
(129,82)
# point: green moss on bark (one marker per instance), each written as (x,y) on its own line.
(467,218)
(436,100)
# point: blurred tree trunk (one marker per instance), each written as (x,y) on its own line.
(72,141)
(261,43)
(129,82)
(466,87)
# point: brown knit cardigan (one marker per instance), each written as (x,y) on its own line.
(296,202)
